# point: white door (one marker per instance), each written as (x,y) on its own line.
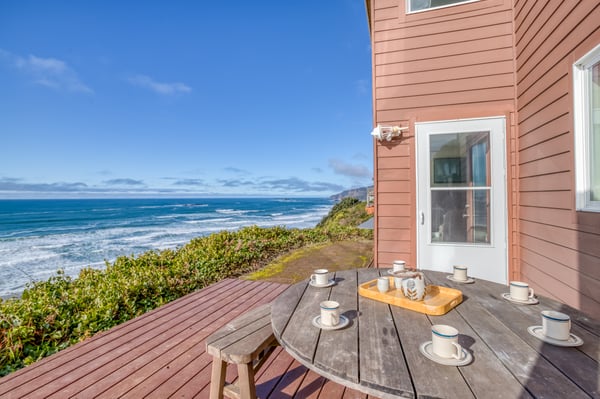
(461,183)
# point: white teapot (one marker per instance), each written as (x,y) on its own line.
(412,284)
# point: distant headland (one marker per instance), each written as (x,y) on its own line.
(359,193)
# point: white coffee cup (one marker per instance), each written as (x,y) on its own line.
(398,265)
(444,342)
(460,273)
(520,291)
(330,313)
(383,284)
(320,277)
(556,325)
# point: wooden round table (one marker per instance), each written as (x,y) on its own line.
(378,352)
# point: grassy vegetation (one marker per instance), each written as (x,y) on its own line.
(347,212)
(301,263)
(278,265)
(54,314)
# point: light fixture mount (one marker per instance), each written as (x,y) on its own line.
(387,132)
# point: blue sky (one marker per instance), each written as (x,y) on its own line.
(184,98)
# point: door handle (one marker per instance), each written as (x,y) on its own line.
(422,218)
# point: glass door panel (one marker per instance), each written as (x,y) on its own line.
(460,188)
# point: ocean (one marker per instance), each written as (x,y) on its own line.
(38,237)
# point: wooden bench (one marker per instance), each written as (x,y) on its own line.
(246,341)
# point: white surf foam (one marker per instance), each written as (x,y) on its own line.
(38,254)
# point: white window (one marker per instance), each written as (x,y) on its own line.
(586,84)
(423,5)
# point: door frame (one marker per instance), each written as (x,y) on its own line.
(499,182)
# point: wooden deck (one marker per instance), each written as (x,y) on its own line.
(161,354)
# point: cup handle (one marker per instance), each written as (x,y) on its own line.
(531,293)
(313,278)
(458,354)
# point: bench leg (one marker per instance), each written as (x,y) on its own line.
(217,378)
(246,381)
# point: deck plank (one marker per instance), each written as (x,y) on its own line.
(290,383)
(311,386)
(162,354)
(70,360)
(152,373)
(141,350)
(57,366)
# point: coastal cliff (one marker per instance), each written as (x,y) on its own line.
(358,193)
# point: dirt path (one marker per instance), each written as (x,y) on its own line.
(300,264)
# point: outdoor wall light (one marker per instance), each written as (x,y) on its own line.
(387,132)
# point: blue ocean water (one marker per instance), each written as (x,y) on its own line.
(38,237)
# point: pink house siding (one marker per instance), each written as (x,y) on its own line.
(560,247)
(509,58)
(441,64)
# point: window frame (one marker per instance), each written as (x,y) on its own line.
(409,11)
(582,71)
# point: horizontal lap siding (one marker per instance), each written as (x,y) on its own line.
(560,251)
(395,204)
(451,63)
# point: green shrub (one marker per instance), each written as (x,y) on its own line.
(56,313)
(347,212)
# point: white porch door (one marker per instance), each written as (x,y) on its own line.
(461,183)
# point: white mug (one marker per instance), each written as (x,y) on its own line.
(444,342)
(398,265)
(330,313)
(383,284)
(556,325)
(520,291)
(320,277)
(460,273)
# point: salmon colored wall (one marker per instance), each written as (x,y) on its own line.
(487,58)
(451,63)
(559,247)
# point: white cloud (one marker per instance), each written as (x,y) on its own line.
(158,87)
(124,182)
(11,187)
(48,72)
(346,169)
(43,65)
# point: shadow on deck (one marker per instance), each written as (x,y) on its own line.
(162,354)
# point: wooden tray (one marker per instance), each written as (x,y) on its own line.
(438,300)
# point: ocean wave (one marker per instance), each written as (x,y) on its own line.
(155,206)
(195,215)
(174,205)
(235,211)
(206,221)
(38,251)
